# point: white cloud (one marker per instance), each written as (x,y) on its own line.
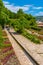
(16,8)
(39,14)
(37,7)
(5,3)
(25,8)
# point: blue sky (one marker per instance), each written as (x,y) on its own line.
(34,7)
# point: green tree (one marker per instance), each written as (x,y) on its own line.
(20,11)
(3,19)
(1,5)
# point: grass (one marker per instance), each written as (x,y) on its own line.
(3,47)
(3,39)
(40,36)
(33,38)
(6,50)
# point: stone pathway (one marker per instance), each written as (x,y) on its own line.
(23,59)
(33,49)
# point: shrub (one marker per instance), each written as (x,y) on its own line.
(31,37)
(35,28)
(1,38)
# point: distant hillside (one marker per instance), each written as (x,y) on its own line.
(40,18)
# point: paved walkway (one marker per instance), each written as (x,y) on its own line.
(23,59)
(36,51)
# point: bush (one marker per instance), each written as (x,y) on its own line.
(19,29)
(1,38)
(35,28)
(31,37)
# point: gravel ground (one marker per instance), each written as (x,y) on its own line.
(12,61)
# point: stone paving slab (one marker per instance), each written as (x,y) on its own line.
(40,48)
(31,47)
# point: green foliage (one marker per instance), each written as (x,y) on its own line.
(33,38)
(1,6)
(20,11)
(3,19)
(18,26)
(28,16)
(5,15)
(2,45)
(20,21)
(1,38)
(10,14)
(25,20)
(35,28)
